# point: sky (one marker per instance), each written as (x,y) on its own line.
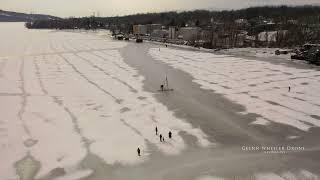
(77,8)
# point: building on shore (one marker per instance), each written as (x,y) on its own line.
(190,33)
(140,30)
(270,38)
(172,33)
(160,33)
(153,27)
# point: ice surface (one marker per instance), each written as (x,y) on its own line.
(64,95)
(262,87)
(260,121)
(268,176)
(76,175)
(287,175)
(258,52)
(209,178)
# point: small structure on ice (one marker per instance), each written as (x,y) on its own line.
(165,85)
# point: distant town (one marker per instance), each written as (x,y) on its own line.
(293,28)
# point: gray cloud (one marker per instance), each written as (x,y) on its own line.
(65,8)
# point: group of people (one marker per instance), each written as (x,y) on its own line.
(161,139)
(161,136)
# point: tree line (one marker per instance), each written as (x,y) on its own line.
(303,14)
(302,23)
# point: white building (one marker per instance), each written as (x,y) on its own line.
(172,32)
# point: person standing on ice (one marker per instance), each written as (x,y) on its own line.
(138,150)
(170,134)
(156,130)
(289,89)
(162,87)
(160,137)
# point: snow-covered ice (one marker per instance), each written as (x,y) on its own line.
(209,178)
(76,175)
(64,95)
(258,52)
(292,175)
(69,100)
(286,175)
(260,121)
(260,86)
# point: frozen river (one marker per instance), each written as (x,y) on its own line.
(77,105)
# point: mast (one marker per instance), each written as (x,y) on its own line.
(166,83)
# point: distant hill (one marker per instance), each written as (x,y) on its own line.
(8,16)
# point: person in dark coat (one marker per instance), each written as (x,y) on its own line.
(289,89)
(162,87)
(156,130)
(170,134)
(160,137)
(138,150)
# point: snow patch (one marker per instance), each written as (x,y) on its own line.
(293,137)
(260,121)
(268,176)
(76,175)
(209,178)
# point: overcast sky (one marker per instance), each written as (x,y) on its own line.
(66,8)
